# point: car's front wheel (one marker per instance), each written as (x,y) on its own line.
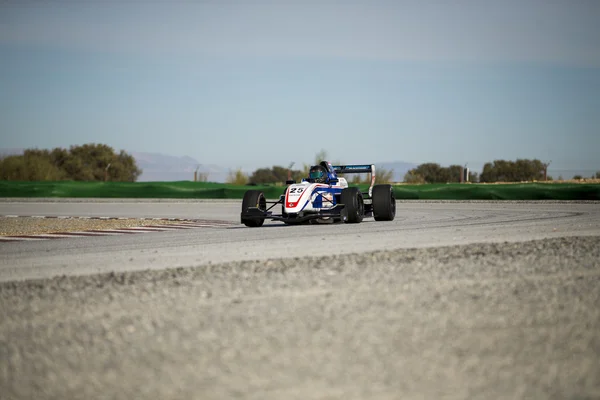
(354,205)
(253,198)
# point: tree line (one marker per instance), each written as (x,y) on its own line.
(498,171)
(435,173)
(279,174)
(88,162)
(99,162)
(513,171)
(520,170)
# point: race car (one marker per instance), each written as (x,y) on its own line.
(323,197)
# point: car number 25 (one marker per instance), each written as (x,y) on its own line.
(296,190)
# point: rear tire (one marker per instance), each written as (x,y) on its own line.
(253,198)
(354,205)
(384,203)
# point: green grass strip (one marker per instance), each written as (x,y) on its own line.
(523,191)
(203,190)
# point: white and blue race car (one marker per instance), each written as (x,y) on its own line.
(323,197)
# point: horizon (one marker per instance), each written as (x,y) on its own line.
(252,85)
(219,172)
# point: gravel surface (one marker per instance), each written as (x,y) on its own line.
(34,226)
(481,321)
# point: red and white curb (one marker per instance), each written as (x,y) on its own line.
(180,224)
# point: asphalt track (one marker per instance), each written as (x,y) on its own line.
(417,225)
(456,300)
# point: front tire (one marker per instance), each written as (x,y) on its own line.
(354,205)
(384,203)
(253,198)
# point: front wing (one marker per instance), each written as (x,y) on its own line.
(296,218)
(256,213)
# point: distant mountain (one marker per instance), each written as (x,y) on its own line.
(163,167)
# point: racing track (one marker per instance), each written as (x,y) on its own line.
(452,300)
(417,224)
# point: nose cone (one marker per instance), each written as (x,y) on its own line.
(295,197)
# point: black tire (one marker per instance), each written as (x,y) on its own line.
(282,199)
(254,198)
(354,205)
(384,203)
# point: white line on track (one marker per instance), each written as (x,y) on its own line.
(15,239)
(93,233)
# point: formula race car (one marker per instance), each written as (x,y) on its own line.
(323,197)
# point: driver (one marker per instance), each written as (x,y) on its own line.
(318,174)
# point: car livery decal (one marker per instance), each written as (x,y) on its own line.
(295,193)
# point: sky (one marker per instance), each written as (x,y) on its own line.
(258,83)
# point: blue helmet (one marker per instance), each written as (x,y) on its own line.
(318,174)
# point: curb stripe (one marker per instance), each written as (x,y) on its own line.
(33,237)
(183,220)
(181,224)
(18,238)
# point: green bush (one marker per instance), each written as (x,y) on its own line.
(90,162)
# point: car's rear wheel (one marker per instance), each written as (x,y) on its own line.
(253,198)
(384,203)
(354,206)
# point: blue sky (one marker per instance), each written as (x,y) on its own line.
(251,84)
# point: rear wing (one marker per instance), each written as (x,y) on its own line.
(358,169)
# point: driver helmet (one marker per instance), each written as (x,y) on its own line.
(318,174)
